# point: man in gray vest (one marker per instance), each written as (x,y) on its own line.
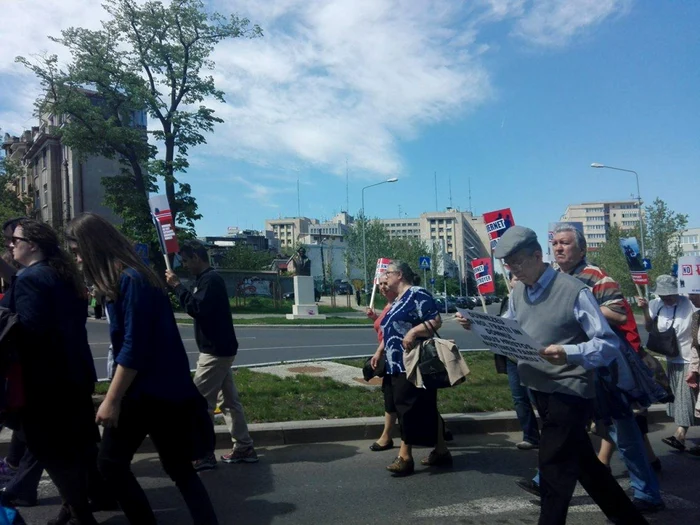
(559,312)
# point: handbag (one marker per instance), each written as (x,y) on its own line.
(665,343)
(432,370)
(368,372)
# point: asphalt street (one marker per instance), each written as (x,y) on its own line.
(344,483)
(273,344)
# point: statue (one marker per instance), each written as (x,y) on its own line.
(299,263)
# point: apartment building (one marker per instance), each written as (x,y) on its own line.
(59,182)
(288,231)
(598,217)
(690,242)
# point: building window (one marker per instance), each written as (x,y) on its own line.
(43,158)
(689,239)
(46,194)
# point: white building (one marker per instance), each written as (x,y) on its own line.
(598,217)
(690,242)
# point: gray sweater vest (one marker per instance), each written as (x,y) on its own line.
(550,320)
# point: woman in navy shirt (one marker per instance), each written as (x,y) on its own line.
(403,328)
(152,374)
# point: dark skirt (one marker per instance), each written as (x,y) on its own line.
(417,411)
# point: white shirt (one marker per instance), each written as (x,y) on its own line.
(681,324)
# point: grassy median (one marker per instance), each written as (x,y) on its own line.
(268,398)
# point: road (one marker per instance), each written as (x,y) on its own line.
(345,484)
(272,344)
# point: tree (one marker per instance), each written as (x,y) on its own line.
(500,283)
(11,205)
(244,257)
(664,228)
(147,56)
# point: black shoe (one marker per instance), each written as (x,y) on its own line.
(376,447)
(10,500)
(646,507)
(528,486)
(63,517)
(656,465)
(447,435)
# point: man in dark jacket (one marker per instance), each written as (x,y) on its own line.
(207,303)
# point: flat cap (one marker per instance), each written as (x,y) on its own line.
(515,238)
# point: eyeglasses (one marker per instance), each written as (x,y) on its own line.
(516,266)
(15,240)
(390,271)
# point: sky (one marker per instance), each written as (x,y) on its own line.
(513,99)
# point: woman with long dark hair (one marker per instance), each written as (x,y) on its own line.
(58,372)
(152,374)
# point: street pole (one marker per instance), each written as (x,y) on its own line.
(364,227)
(639,210)
(444,286)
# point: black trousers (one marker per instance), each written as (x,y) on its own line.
(25,483)
(566,456)
(153,417)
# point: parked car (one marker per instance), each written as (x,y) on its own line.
(464,302)
(488,299)
(343,289)
(496,299)
(289,296)
(440,303)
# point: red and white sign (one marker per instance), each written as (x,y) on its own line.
(497,222)
(689,274)
(160,210)
(382,265)
(640,277)
(483,273)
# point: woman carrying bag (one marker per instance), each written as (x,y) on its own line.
(668,321)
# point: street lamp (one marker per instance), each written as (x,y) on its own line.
(364,224)
(639,200)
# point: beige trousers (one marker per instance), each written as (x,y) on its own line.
(214,380)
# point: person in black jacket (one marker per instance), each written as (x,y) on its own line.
(207,302)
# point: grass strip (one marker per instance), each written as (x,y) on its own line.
(268,398)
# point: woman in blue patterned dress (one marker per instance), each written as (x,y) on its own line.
(403,328)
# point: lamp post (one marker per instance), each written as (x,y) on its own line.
(364,226)
(639,204)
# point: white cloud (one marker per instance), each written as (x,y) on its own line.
(331,79)
(556,22)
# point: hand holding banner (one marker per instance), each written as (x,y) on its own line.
(165,226)
(497,222)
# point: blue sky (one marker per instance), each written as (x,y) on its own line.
(519,96)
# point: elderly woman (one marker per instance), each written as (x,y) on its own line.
(411,318)
(384,442)
(674,312)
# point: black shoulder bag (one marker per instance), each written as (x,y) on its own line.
(432,370)
(664,343)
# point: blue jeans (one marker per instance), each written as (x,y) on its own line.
(628,438)
(523,405)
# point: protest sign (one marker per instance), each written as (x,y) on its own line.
(483,273)
(504,336)
(165,226)
(497,222)
(630,248)
(382,265)
(689,274)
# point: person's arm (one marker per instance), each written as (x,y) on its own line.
(377,355)
(644,305)
(199,303)
(31,306)
(601,348)
(108,413)
(613,318)
(7,271)
(694,369)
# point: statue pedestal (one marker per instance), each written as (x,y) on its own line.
(305,306)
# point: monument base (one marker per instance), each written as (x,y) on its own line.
(304,305)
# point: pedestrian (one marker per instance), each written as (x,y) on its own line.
(151,392)
(208,304)
(412,317)
(384,442)
(358,297)
(615,418)
(670,311)
(559,312)
(692,378)
(58,372)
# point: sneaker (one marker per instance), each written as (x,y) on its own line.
(207,463)
(526,445)
(237,455)
(437,460)
(647,507)
(529,486)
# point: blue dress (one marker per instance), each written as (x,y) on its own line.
(412,308)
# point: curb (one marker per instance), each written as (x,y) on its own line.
(287,326)
(320,431)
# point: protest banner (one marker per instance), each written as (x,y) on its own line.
(165,226)
(382,265)
(483,273)
(497,222)
(630,248)
(689,274)
(504,336)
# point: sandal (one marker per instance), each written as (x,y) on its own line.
(674,442)
(376,447)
